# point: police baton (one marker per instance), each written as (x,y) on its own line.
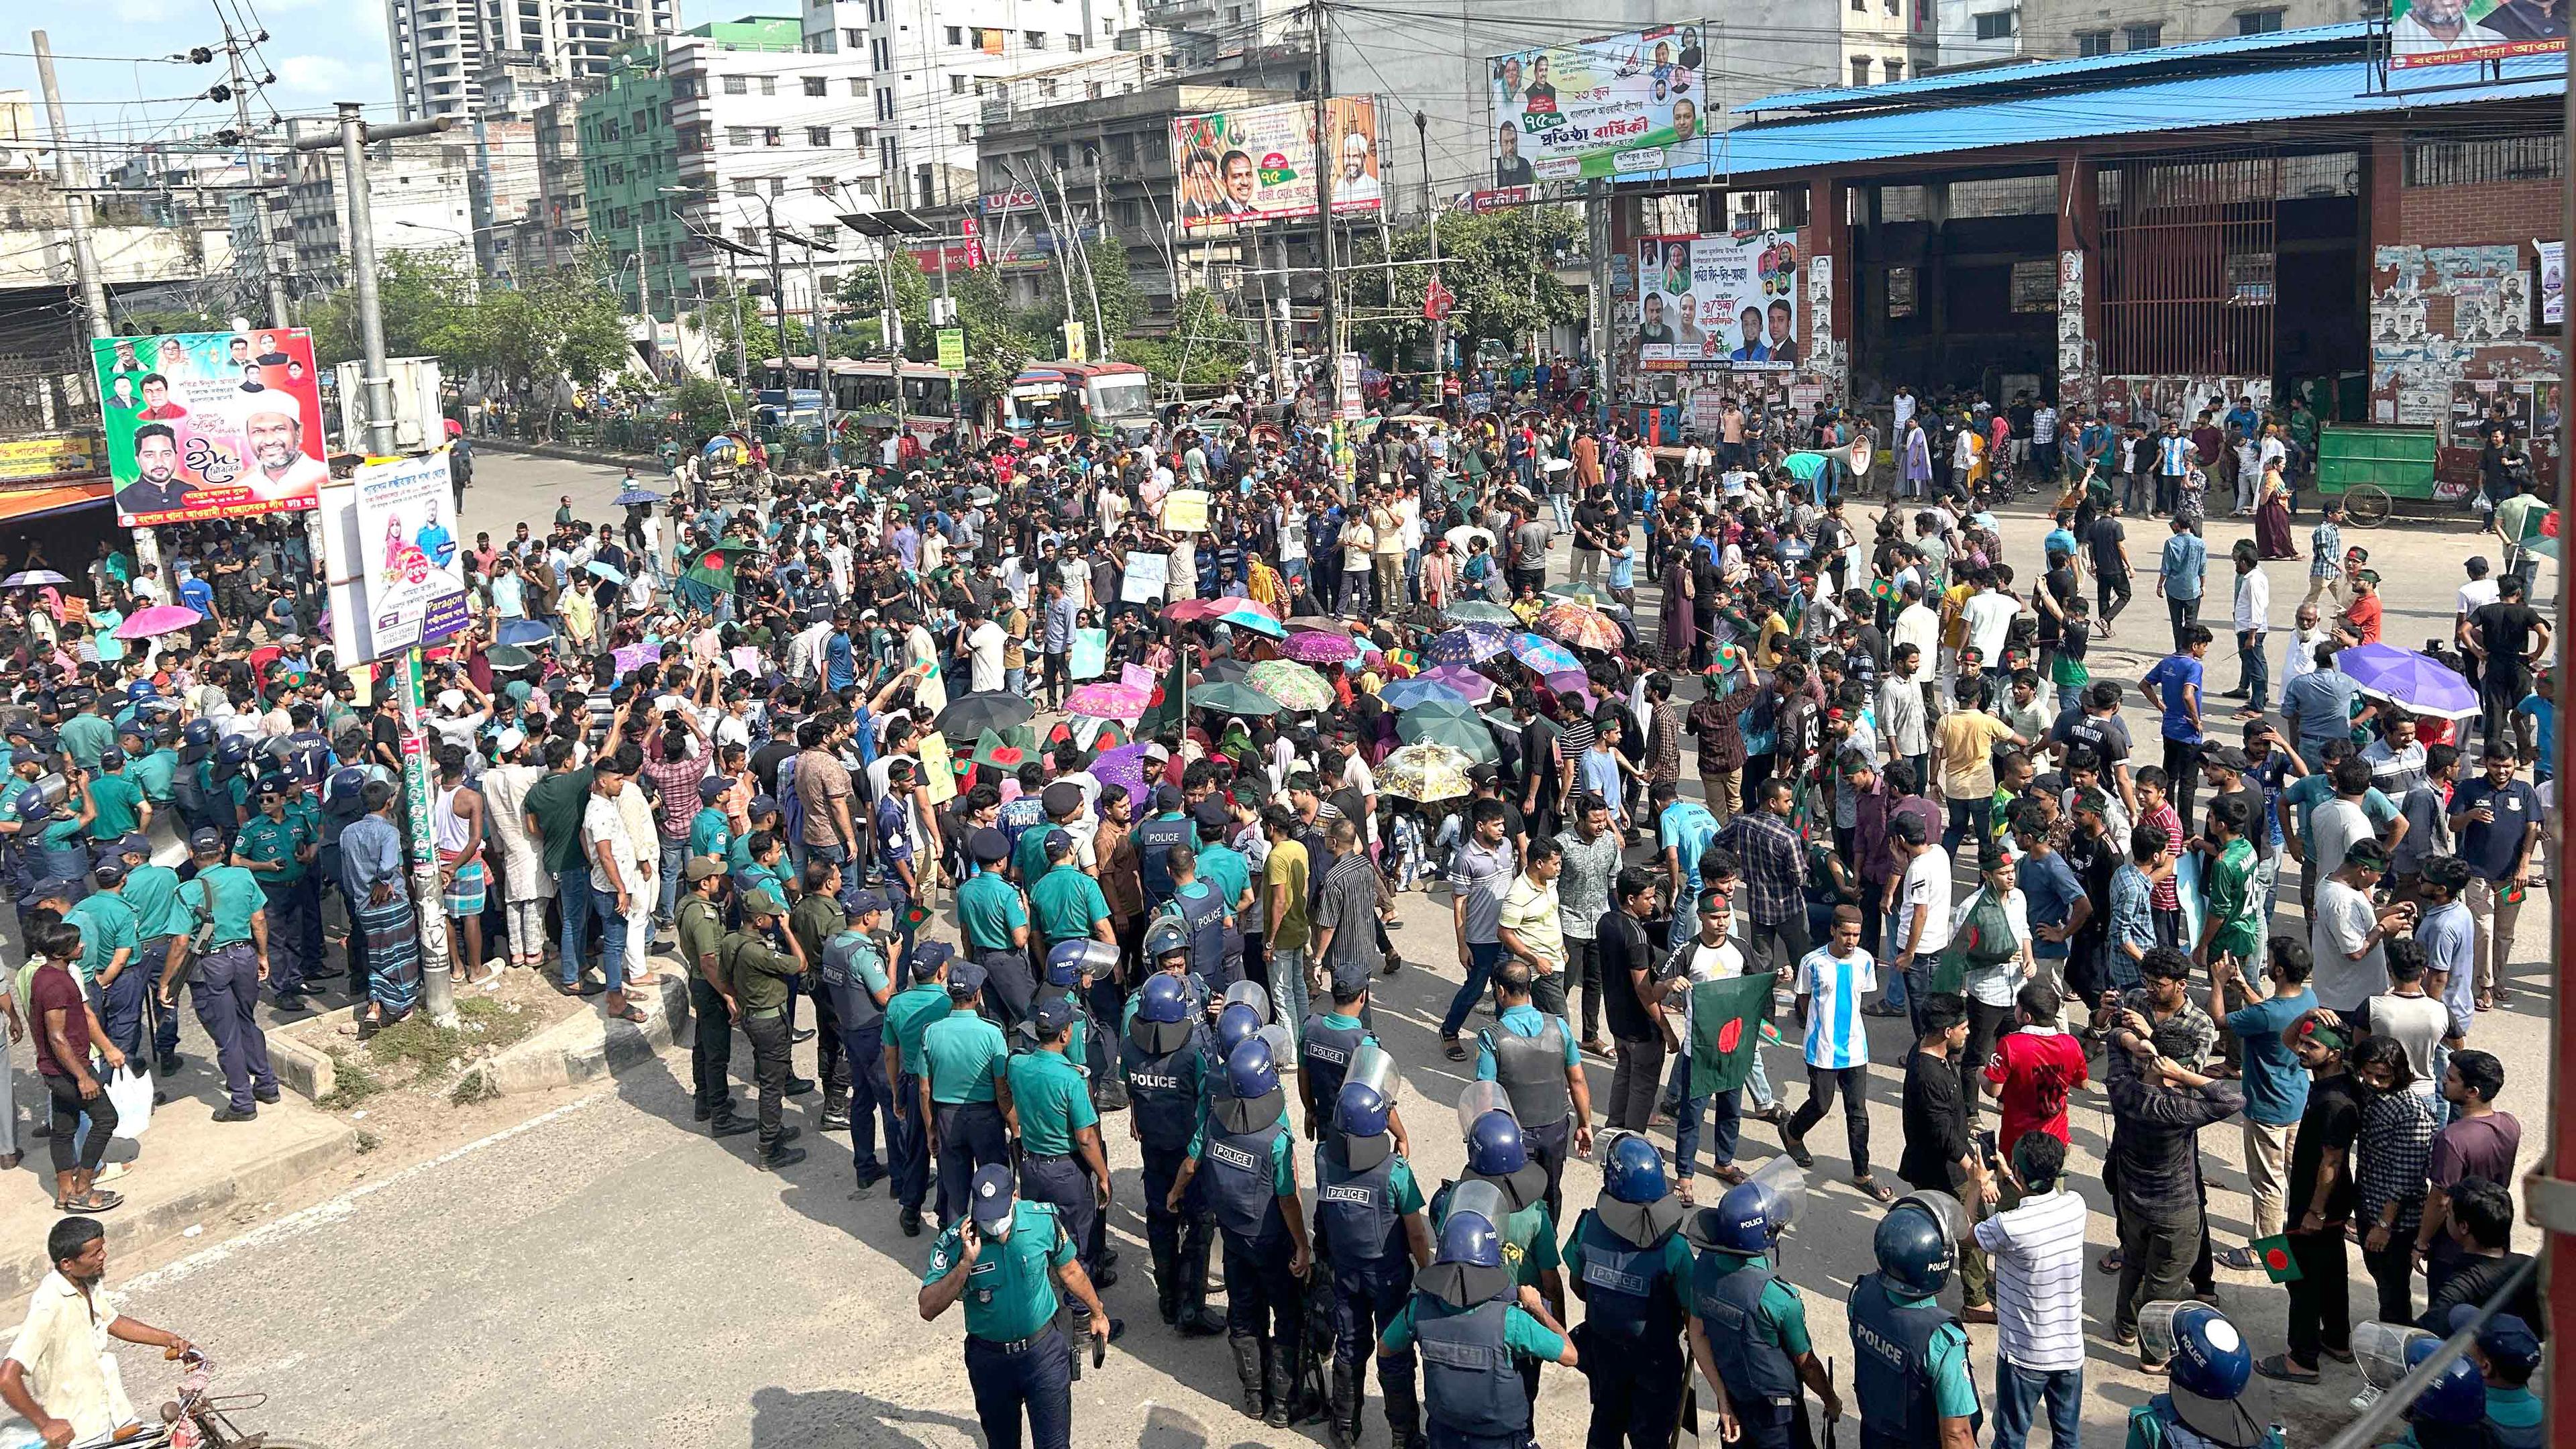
(1829,1423)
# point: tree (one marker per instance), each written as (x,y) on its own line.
(1205,349)
(706,407)
(1500,267)
(1102,268)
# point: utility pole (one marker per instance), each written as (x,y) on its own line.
(1323,88)
(67,176)
(1597,316)
(1431,214)
(644,303)
(822,353)
(1064,280)
(259,218)
(376,426)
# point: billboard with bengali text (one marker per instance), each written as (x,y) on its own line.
(1600,107)
(1719,303)
(2454,32)
(206,425)
(1258,164)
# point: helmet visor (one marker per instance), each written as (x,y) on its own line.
(1250,994)
(1479,1099)
(1371,1067)
(1943,1209)
(1482,1198)
(2380,1349)
(1784,1191)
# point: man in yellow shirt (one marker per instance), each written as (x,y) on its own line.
(59,1374)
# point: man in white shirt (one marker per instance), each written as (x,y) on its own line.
(2348,936)
(2299,656)
(1922,905)
(982,648)
(59,1374)
(2037,1246)
(1989,613)
(2253,622)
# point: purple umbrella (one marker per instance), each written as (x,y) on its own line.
(1467,683)
(2418,682)
(1318,648)
(1124,767)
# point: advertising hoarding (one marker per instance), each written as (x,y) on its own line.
(395,559)
(210,424)
(1601,107)
(1258,164)
(46,456)
(1719,303)
(2451,32)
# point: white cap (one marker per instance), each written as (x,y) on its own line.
(451,699)
(510,741)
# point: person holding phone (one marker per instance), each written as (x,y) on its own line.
(1013,1263)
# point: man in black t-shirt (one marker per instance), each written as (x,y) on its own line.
(2320,1208)
(1631,963)
(2505,636)
(2105,541)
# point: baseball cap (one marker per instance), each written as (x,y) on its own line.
(2367,852)
(702,866)
(1049,1016)
(1350,978)
(2506,1339)
(134,843)
(1057,841)
(928,957)
(965,978)
(57,888)
(866,901)
(208,838)
(989,1201)
(761,903)
(1167,798)
(1211,813)
(988,845)
(763,805)
(111,759)
(2227,757)
(108,877)
(712,788)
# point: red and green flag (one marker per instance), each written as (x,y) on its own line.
(2273,1253)
(1727,1018)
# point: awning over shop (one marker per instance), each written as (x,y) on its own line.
(21,504)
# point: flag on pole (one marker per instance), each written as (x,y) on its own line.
(2274,1254)
(1727,1018)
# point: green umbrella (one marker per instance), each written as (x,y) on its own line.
(1419,725)
(1578,590)
(1232,699)
(1480,611)
(1444,709)
(508,656)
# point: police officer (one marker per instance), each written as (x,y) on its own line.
(1533,1054)
(279,849)
(1061,1159)
(1326,1047)
(699,920)
(993,919)
(1497,1157)
(2506,1353)
(1164,1057)
(1154,838)
(1475,1332)
(908,1016)
(1013,1263)
(1630,1265)
(226,974)
(854,981)
(1370,1228)
(1070,966)
(1216,946)
(1245,1148)
(964,1094)
(2207,1371)
(760,974)
(815,919)
(1910,1355)
(1165,948)
(153,892)
(1748,1326)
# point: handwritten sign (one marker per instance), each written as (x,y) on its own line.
(1145,578)
(939,774)
(1185,510)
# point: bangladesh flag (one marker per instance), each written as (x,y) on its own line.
(2274,1254)
(1727,1018)
(1165,708)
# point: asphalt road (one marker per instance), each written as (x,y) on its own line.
(603,1273)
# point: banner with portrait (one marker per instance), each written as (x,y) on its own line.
(1719,303)
(2451,32)
(1597,107)
(392,545)
(1259,163)
(210,424)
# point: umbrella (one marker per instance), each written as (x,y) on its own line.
(1294,685)
(1414,693)
(970,715)
(508,656)
(1109,700)
(609,572)
(1425,773)
(1427,724)
(1579,591)
(1123,767)
(1225,669)
(635,498)
(1466,683)
(2418,682)
(1805,466)
(33,579)
(1580,626)
(1314,622)
(1191,611)
(1245,614)
(1569,681)
(1005,754)
(1481,611)
(981,494)
(1544,655)
(1319,648)
(157,620)
(1233,699)
(1469,644)
(1461,536)
(525,633)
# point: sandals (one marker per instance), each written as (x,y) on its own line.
(2240,1257)
(2279,1366)
(581,988)
(1876,1190)
(98,1201)
(1455,1050)
(628,1012)
(2113,1261)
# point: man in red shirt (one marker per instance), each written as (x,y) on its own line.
(2360,623)
(2034,1069)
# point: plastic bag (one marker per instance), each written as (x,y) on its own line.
(130,1092)
(1985,936)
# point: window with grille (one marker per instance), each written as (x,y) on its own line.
(817,86)
(2142,37)
(1860,70)
(2092,42)
(1995,25)
(2470,163)
(2257,22)
(737,85)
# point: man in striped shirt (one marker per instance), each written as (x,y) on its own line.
(1833,981)
(2037,1247)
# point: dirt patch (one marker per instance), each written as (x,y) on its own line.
(414,1063)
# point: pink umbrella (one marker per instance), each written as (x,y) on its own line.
(1109,701)
(1467,683)
(636,656)
(1318,648)
(157,620)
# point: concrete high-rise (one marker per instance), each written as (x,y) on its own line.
(441,48)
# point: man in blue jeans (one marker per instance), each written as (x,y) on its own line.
(2037,1245)
(1481,869)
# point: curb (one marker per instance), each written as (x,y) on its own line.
(301,1068)
(146,1224)
(568,453)
(588,1045)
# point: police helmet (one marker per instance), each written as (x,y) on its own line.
(1250,1071)
(1633,1171)
(1470,1240)
(1069,961)
(1236,1025)
(2457,1395)
(1162,1000)
(2208,1356)
(1917,1243)
(1360,1111)
(1494,1146)
(1740,1223)
(233,753)
(198,732)
(32,804)
(1167,937)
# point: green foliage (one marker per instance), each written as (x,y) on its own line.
(706,406)
(1205,349)
(1102,265)
(1499,266)
(434,304)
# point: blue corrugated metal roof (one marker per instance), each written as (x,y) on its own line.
(2061,72)
(2194,103)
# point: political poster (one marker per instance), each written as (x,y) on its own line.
(1260,163)
(2453,32)
(1719,303)
(211,424)
(1597,107)
(1185,510)
(396,566)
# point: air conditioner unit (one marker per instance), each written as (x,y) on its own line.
(419,426)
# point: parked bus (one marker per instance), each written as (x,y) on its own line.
(863,391)
(1102,399)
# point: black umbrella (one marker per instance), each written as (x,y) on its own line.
(1226,670)
(969,715)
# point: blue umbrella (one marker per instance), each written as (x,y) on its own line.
(1545,656)
(1411,693)
(525,633)
(609,572)
(634,497)
(2418,682)
(1468,644)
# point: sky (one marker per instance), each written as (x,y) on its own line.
(321,51)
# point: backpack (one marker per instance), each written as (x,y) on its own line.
(791,803)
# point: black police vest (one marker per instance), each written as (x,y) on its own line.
(851,998)
(1163,1092)
(1741,1337)
(1355,1211)
(1469,1383)
(1531,1070)
(1627,1299)
(1236,1166)
(1324,1055)
(1154,841)
(1203,916)
(1892,1358)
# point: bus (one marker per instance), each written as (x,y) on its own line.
(863,393)
(1102,399)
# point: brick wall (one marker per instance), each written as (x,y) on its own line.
(2489,214)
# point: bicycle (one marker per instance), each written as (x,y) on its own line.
(197,1418)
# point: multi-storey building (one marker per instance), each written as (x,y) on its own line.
(419,198)
(442,49)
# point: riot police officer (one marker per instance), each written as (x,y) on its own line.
(1630,1265)
(963,1091)
(1165,1060)
(1475,1335)
(1216,945)
(1748,1326)
(2207,1371)
(993,920)
(1166,951)
(1370,1229)
(1498,1157)
(1061,1158)
(1070,968)
(908,1017)
(1534,1056)
(853,976)
(279,849)
(1009,1260)
(1245,1149)
(1155,836)
(1326,1045)
(1910,1354)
